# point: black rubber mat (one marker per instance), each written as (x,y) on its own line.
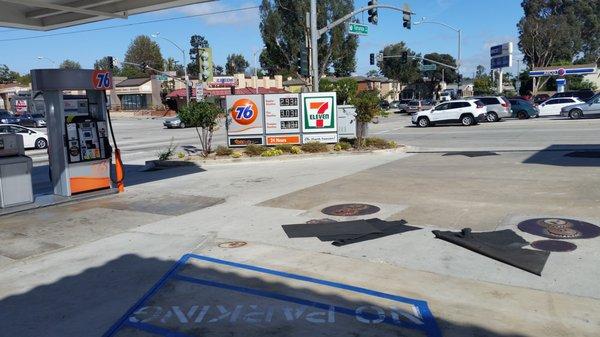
(387,228)
(352,228)
(584,154)
(472,154)
(504,246)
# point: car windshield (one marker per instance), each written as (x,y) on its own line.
(593,98)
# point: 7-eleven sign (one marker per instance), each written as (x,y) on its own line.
(319,112)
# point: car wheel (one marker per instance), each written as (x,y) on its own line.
(423,122)
(403,111)
(182,125)
(467,120)
(522,115)
(575,114)
(41,143)
(492,117)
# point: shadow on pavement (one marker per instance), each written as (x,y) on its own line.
(570,155)
(222,303)
(133,176)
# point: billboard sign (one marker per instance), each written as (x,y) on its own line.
(501,62)
(319,112)
(246,114)
(282,113)
(501,49)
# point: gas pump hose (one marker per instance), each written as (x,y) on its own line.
(119,169)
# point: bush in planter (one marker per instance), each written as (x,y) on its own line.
(223,151)
(285,148)
(344,145)
(296,150)
(379,143)
(314,147)
(337,147)
(271,153)
(254,150)
(236,154)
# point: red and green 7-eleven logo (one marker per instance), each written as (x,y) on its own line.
(319,113)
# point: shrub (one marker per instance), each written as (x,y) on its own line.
(314,147)
(296,150)
(285,148)
(236,154)
(254,150)
(204,117)
(337,147)
(180,155)
(167,153)
(223,151)
(378,143)
(271,153)
(351,141)
(344,145)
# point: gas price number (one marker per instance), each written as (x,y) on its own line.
(288,113)
(288,101)
(288,125)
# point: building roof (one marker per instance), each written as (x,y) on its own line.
(53,14)
(226,92)
(132,82)
(294,81)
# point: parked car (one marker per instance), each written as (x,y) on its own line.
(400,106)
(174,122)
(522,109)
(553,106)
(540,98)
(415,106)
(31,138)
(8,118)
(591,108)
(32,120)
(583,95)
(498,107)
(466,112)
(385,105)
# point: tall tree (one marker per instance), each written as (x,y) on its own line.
(104,63)
(7,75)
(70,64)
(393,67)
(172,65)
(196,41)
(283,29)
(236,64)
(142,50)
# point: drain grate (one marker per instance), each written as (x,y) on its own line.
(472,154)
(584,154)
(554,245)
(350,209)
(556,228)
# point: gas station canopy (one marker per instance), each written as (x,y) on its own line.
(53,14)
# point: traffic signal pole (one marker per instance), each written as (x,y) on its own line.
(316,33)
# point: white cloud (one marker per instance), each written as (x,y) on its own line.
(243,17)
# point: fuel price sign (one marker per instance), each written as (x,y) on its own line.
(282,113)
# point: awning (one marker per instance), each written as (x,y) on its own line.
(180,93)
(53,14)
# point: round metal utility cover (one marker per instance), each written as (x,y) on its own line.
(555,228)
(320,221)
(554,245)
(350,209)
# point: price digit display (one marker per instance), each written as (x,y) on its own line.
(288,101)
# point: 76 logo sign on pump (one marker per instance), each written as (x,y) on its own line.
(245,114)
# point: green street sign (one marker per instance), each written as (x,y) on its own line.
(428,67)
(358,29)
(162,77)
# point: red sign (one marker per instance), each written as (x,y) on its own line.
(101,79)
(244,111)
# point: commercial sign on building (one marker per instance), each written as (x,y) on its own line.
(224,81)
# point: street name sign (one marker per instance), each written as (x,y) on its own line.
(358,29)
(428,67)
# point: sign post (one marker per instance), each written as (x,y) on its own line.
(358,29)
(501,57)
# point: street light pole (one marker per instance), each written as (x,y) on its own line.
(314,44)
(459,31)
(45,58)
(185,74)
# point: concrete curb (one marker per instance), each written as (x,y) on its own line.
(157,165)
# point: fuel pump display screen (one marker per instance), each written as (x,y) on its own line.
(282,113)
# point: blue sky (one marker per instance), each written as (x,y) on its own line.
(483,23)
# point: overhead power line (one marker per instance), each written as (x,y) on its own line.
(127,24)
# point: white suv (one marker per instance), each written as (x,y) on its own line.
(466,112)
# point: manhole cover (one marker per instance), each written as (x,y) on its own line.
(320,221)
(232,244)
(584,154)
(350,209)
(555,228)
(554,245)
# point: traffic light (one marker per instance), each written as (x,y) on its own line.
(372,59)
(189,91)
(143,66)
(404,58)
(303,68)
(373,18)
(111,62)
(205,62)
(406,20)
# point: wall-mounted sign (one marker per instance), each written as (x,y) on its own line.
(101,79)
(224,81)
(320,137)
(318,112)
(561,71)
(245,141)
(246,114)
(282,113)
(283,139)
(199,92)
